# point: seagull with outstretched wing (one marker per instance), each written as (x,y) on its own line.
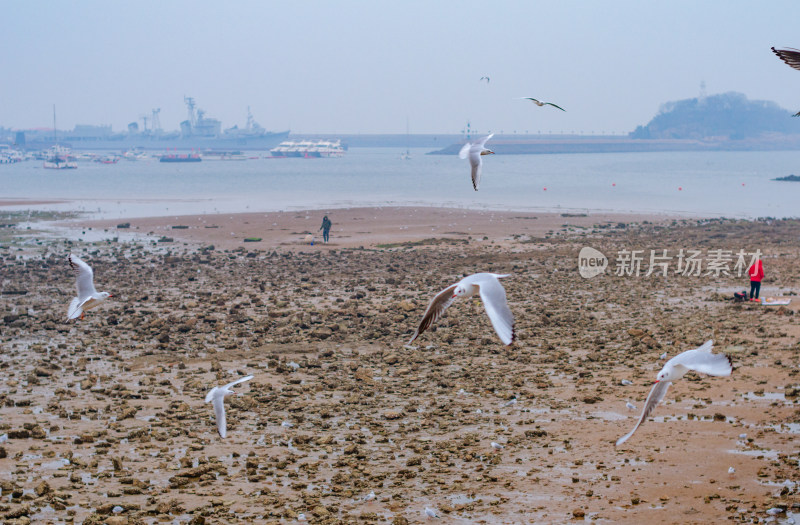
(540,103)
(88,297)
(473,151)
(699,360)
(494,300)
(217,396)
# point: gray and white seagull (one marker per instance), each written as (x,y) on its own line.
(87,297)
(540,103)
(217,395)
(699,360)
(494,300)
(473,151)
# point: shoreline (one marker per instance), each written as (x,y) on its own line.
(361,226)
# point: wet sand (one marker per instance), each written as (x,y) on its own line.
(360,227)
(107,414)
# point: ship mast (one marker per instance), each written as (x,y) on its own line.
(190,105)
(155,122)
(55,133)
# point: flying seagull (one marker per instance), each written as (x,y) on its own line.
(492,294)
(474,150)
(217,395)
(792,58)
(540,103)
(87,297)
(486,79)
(700,360)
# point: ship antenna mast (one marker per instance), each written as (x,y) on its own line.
(190,105)
(155,122)
(55,133)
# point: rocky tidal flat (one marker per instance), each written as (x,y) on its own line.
(103,420)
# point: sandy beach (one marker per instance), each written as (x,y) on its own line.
(103,419)
(384,227)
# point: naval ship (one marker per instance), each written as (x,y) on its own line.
(197,132)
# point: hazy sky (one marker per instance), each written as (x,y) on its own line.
(353,66)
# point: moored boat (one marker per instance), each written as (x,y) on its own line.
(308,149)
(59,158)
(181,157)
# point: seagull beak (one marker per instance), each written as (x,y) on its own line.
(657,380)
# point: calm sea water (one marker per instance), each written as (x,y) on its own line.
(729,184)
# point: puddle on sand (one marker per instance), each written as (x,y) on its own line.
(786,428)
(766,396)
(768,454)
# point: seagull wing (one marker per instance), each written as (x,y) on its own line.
(75,309)
(435,310)
(484,140)
(85,277)
(219,411)
(790,56)
(532,100)
(464,150)
(654,398)
(555,106)
(476,163)
(494,300)
(703,361)
(211,393)
(241,380)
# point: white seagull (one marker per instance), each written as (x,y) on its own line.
(217,395)
(431,513)
(88,297)
(540,103)
(492,294)
(700,360)
(474,150)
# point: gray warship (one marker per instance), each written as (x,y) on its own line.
(197,132)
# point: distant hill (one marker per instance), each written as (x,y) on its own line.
(725,116)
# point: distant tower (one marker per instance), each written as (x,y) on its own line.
(155,123)
(702,90)
(144,119)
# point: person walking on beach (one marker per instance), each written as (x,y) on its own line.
(326,228)
(756,273)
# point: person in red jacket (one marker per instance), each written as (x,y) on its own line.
(756,273)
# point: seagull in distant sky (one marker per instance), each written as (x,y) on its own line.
(486,79)
(792,59)
(540,103)
(474,150)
